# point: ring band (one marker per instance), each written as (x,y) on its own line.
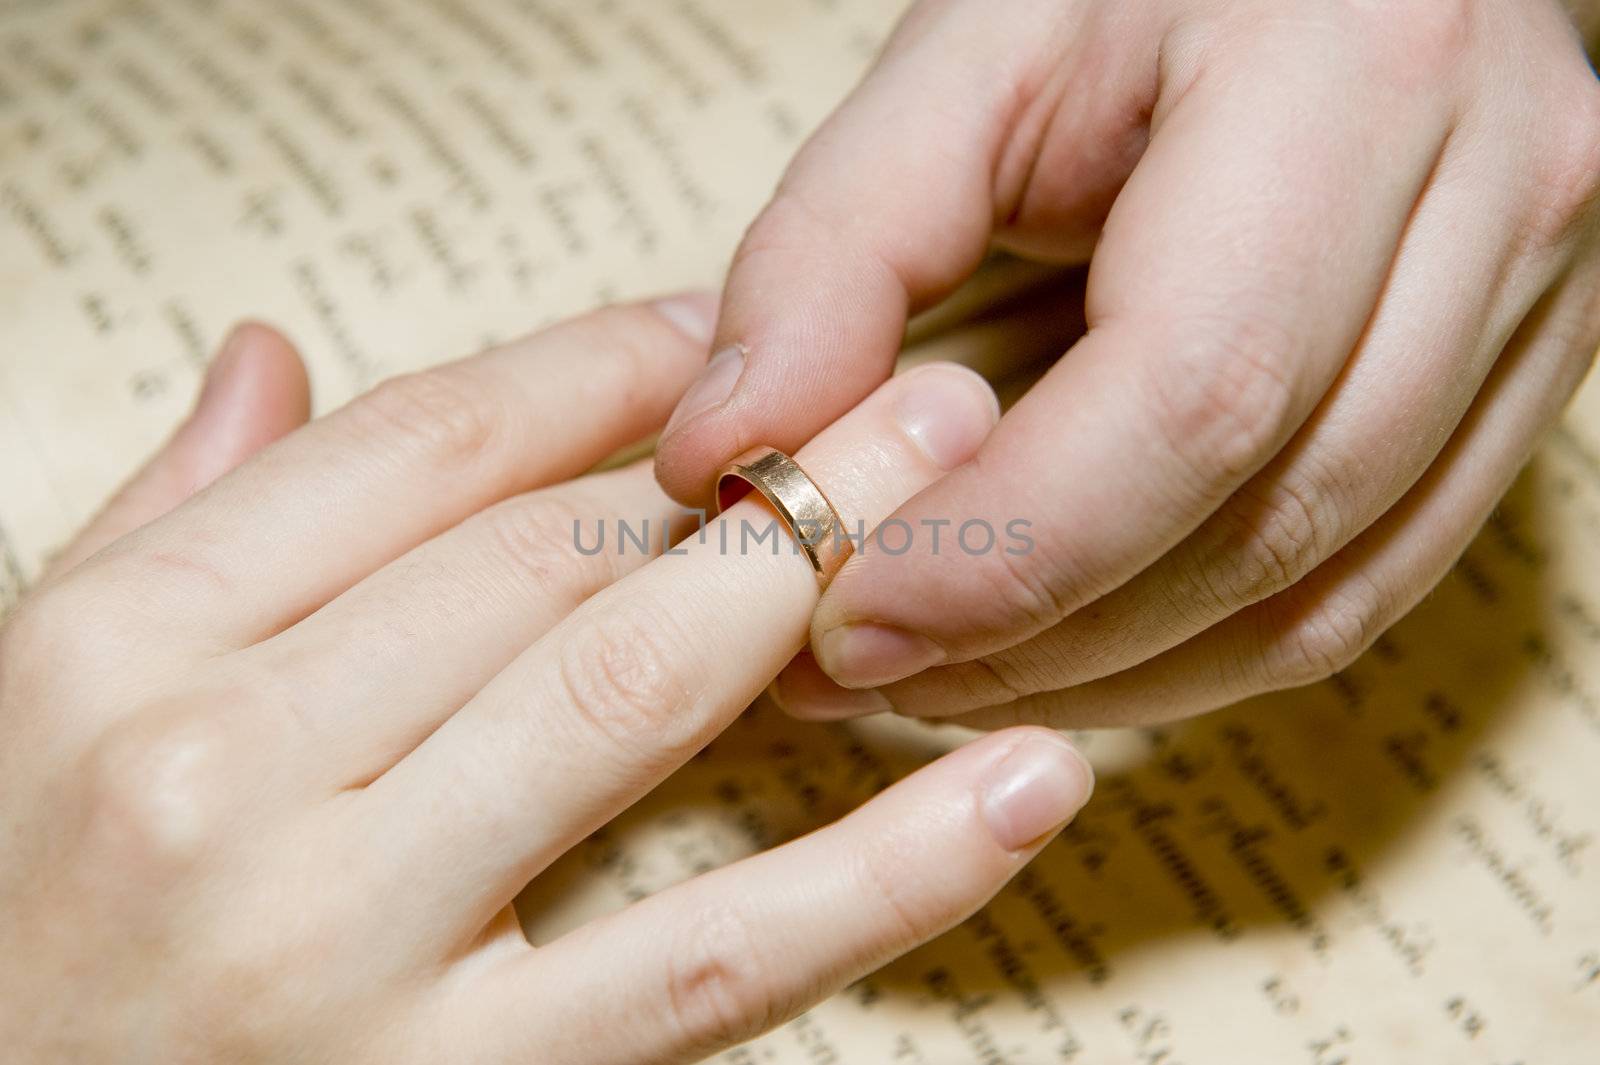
(812,520)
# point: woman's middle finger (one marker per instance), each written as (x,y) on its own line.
(641,676)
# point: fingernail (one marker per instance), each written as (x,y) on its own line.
(1034,790)
(868,655)
(693,313)
(215,390)
(948,411)
(232,349)
(804,691)
(714,385)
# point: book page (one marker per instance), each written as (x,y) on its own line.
(1398,865)
(391,183)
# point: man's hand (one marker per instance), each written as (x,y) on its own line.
(1345,268)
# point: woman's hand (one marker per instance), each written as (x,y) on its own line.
(1345,270)
(274,765)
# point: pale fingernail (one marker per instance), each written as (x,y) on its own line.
(693,313)
(233,348)
(714,385)
(868,655)
(948,411)
(1034,790)
(808,693)
(220,397)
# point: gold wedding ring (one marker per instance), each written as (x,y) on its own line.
(812,520)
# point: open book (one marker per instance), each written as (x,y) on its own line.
(1399,865)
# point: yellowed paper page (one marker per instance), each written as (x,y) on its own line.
(392,183)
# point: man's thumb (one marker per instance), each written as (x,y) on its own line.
(884,211)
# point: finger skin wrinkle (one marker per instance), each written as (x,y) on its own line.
(1280,540)
(1566,188)
(624,684)
(1050,580)
(440,416)
(1314,631)
(1009,680)
(717,983)
(1223,397)
(535,536)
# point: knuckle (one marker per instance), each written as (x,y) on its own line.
(623,680)
(1035,586)
(719,991)
(155,788)
(535,538)
(887,874)
(1224,400)
(1027,588)
(1569,175)
(1324,641)
(1280,544)
(633,340)
(1018,671)
(438,413)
